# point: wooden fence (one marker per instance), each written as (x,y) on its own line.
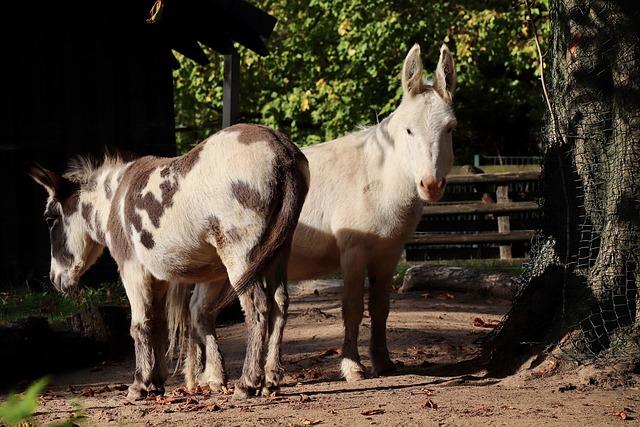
(489,210)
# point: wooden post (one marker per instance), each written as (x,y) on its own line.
(504,226)
(231,89)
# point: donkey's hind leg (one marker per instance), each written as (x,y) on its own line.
(256,307)
(277,285)
(204,312)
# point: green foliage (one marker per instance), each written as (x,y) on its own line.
(55,305)
(19,408)
(336,65)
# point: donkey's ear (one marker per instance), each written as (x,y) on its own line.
(445,79)
(412,73)
(51,181)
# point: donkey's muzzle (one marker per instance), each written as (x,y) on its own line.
(62,282)
(432,189)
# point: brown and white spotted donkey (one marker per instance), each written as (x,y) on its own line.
(224,213)
(365,200)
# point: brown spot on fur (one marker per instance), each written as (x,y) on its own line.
(186,162)
(120,245)
(107,186)
(86,211)
(91,184)
(216,232)
(249,197)
(147,239)
(233,235)
(250,133)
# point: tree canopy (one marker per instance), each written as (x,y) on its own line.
(335,66)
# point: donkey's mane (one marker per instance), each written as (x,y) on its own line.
(81,168)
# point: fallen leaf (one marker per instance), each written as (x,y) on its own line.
(430,404)
(329,352)
(373,412)
(182,391)
(625,414)
(308,422)
(480,323)
(304,398)
(87,392)
(445,296)
(213,407)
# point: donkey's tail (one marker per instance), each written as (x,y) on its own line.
(292,185)
(178,320)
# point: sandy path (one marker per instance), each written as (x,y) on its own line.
(424,331)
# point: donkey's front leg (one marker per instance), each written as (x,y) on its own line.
(142,290)
(380,276)
(159,336)
(353,267)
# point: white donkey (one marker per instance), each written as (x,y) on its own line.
(223,213)
(366,197)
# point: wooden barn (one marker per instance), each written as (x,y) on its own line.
(82,76)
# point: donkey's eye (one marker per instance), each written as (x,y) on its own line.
(409,131)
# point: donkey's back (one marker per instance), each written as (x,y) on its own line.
(240,190)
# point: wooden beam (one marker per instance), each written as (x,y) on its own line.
(458,239)
(231,89)
(479,208)
(504,225)
(494,178)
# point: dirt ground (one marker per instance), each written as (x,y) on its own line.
(425,331)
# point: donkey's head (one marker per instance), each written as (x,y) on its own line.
(421,127)
(72,249)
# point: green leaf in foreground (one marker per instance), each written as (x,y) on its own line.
(19,408)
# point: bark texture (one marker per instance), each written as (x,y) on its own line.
(584,272)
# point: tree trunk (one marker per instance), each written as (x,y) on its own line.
(584,273)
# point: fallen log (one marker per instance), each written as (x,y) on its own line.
(427,277)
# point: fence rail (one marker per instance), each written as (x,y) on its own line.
(463,214)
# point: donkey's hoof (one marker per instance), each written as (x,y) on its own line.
(217,387)
(242,392)
(136,393)
(384,368)
(155,390)
(270,390)
(352,371)
(274,376)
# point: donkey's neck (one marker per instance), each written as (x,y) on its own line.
(96,197)
(396,187)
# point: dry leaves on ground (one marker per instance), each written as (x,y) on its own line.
(308,422)
(430,404)
(625,414)
(480,323)
(377,411)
